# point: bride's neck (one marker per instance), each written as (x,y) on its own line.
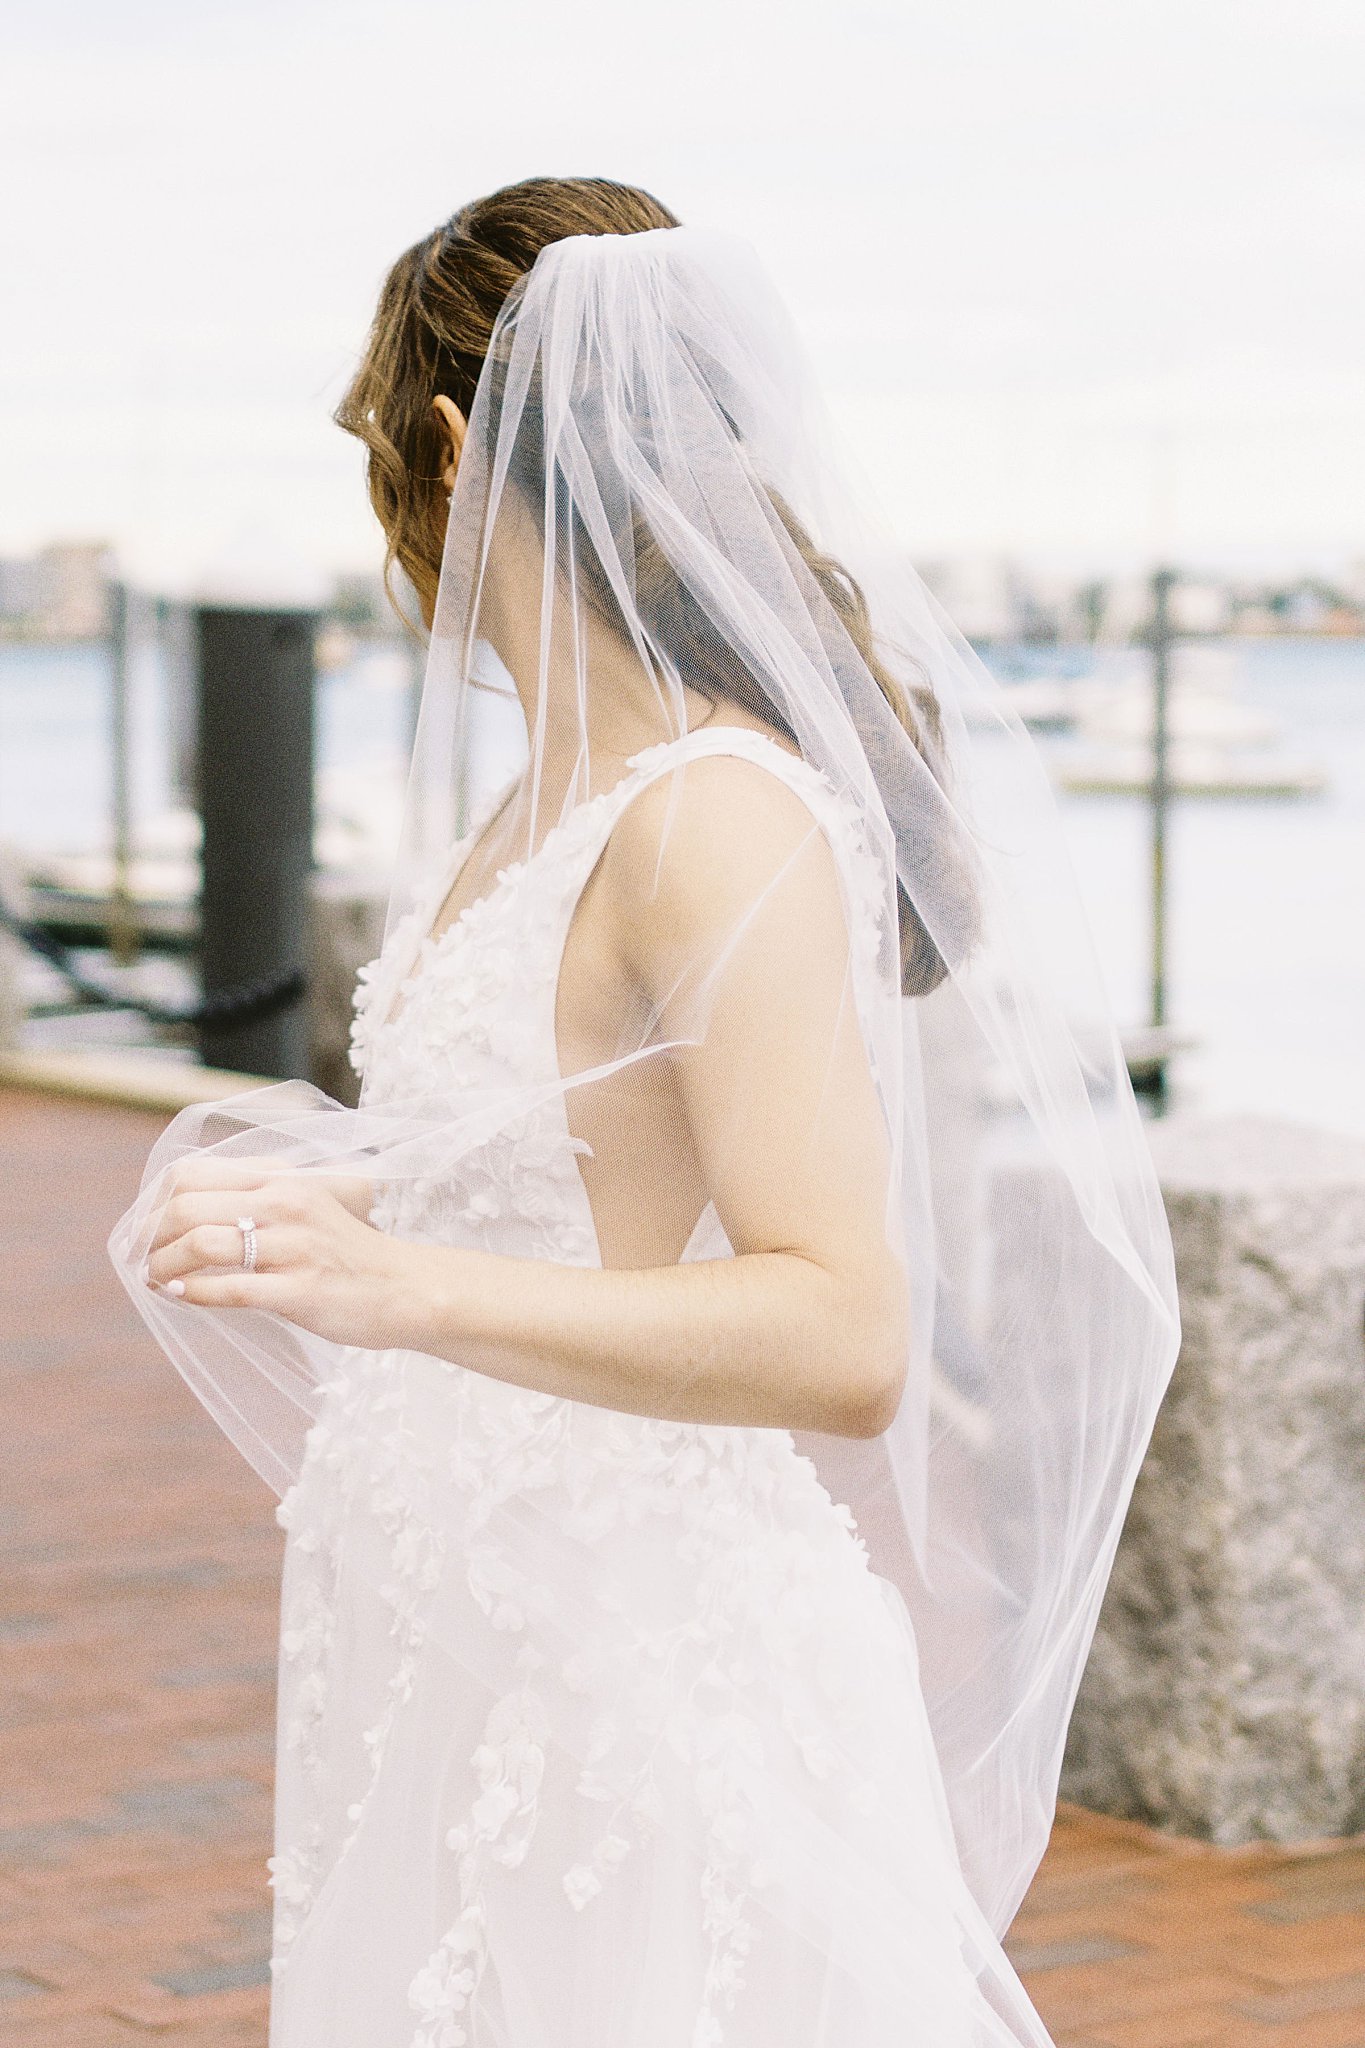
(600,699)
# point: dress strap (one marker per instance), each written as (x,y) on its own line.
(724,739)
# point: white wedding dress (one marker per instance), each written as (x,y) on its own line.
(491,1864)
(603,1732)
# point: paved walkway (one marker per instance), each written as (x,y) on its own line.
(138,1566)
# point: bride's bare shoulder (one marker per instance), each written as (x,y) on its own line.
(705,839)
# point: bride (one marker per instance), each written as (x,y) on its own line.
(705,1376)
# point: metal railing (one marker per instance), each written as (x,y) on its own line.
(249,1003)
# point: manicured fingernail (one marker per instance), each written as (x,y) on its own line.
(175,1287)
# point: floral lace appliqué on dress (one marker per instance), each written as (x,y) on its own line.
(473,1850)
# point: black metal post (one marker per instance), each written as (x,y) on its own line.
(255,774)
(1162,583)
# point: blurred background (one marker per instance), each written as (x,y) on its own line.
(1084,287)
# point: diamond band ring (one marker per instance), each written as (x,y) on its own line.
(247,1226)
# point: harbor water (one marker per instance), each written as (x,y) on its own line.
(1266,938)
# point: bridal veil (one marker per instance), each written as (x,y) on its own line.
(649,483)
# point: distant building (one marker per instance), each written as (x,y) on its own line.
(23,586)
(1308,605)
(1201,606)
(62,593)
(81,572)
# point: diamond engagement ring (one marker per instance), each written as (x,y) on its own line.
(247,1226)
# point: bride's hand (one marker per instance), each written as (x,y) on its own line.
(247,1175)
(318,1263)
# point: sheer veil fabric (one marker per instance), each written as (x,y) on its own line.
(647,502)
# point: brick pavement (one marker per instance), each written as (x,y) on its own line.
(138,1586)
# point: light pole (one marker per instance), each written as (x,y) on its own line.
(1161,635)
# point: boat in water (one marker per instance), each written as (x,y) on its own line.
(1217,744)
(1193,768)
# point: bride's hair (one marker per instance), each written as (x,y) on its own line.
(431,335)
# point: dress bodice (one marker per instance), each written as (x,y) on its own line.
(556,1637)
(476,1010)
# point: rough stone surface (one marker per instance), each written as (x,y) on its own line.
(1225,1694)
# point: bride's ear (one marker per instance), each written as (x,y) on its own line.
(452,423)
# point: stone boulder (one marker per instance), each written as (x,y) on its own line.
(1225,1693)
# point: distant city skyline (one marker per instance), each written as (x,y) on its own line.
(65,593)
(1083,284)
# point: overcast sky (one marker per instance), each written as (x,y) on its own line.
(1082,277)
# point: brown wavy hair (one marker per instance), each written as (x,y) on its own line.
(431,335)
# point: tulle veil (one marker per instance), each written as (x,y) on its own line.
(648,463)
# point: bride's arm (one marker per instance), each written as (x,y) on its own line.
(805,1328)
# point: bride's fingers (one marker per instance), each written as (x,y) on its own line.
(215,1247)
(281,1201)
(188,1211)
(254,1178)
(233,1290)
(199,1176)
